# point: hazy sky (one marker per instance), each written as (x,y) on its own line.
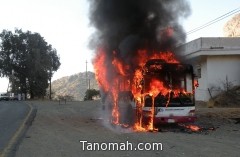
(64,24)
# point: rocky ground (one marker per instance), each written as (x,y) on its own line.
(57,130)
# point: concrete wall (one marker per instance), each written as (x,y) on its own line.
(214,70)
(191,47)
(209,46)
(201,91)
(226,43)
(220,67)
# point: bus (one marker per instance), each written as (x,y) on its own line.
(168,90)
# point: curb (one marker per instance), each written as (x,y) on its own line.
(11,147)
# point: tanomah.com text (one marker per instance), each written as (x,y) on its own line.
(120,146)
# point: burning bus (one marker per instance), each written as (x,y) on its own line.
(135,64)
(167,93)
(161,91)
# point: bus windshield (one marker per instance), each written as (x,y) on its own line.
(177,83)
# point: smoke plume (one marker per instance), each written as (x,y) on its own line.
(125,26)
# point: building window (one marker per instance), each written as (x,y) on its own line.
(199,72)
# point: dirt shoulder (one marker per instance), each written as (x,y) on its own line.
(57,130)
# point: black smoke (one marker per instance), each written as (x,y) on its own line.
(125,26)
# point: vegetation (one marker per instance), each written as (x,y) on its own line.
(228,98)
(65,97)
(90,93)
(232,27)
(28,61)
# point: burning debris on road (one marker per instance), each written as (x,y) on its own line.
(193,128)
(187,128)
(135,39)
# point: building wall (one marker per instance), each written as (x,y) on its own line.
(214,71)
(221,68)
(201,91)
(209,46)
(220,42)
(192,46)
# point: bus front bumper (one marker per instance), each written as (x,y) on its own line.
(174,119)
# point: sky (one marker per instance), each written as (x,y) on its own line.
(64,24)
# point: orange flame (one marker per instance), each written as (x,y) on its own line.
(194,128)
(156,87)
(121,81)
(115,111)
(101,73)
(120,68)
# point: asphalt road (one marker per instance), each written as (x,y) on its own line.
(12,114)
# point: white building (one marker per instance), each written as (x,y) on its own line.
(216,62)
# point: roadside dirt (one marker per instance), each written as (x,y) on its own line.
(57,130)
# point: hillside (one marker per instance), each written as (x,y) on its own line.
(74,85)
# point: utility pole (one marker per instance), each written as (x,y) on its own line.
(89,83)
(50,86)
(86,75)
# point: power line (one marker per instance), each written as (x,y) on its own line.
(214,21)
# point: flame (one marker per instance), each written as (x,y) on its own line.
(120,68)
(192,127)
(169,31)
(157,87)
(101,73)
(168,57)
(115,111)
(150,126)
(196,84)
(118,79)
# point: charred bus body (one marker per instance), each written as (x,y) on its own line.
(166,93)
(167,89)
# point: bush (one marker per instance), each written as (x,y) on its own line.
(90,93)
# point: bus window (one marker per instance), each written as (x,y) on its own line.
(148,101)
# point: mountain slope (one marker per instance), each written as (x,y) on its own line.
(74,85)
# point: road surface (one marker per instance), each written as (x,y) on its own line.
(12,114)
(60,131)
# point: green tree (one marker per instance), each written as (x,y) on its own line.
(90,93)
(28,61)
